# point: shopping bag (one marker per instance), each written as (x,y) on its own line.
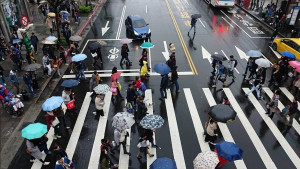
(113,89)
(55,122)
(119,86)
(143,87)
(71,105)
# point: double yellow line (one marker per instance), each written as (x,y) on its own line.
(186,51)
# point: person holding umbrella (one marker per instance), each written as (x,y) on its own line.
(67,98)
(174,78)
(273,103)
(99,103)
(210,135)
(34,41)
(67,34)
(124,54)
(193,25)
(120,137)
(231,65)
(52,120)
(141,109)
(220,72)
(256,85)
(34,151)
(163,86)
(143,147)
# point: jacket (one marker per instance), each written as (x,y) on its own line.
(81,65)
(174,76)
(99,103)
(164,81)
(34,150)
(211,128)
(34,40)
(66,97)
(124,51)
(220,70)
(131,95)
(231,64)
(13,77)
(46,61)
(67,33)
(27,79)
(93,82)
(293,108)
(50,117)
(66,162)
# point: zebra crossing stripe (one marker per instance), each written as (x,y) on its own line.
(96,151)
(196,120)
(250,131)
(148,98)
(281,106)
(174,133)
(289,95)
(282,141)
(78,126)
(240,164)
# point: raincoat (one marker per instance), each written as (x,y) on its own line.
(144,69)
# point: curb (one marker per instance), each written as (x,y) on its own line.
(256,18)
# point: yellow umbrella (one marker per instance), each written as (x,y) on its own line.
(51,14)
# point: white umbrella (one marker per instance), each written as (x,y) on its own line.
(262,62)
(207,160)
(48,42)
(123,120)
(51,38)
(101,89)
(75,38)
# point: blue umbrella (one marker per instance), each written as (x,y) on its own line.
(79,57)
(147,45)
(162,68)
(229,151)
(163,163)
(33,131)
(51,38)
(254,53)
(52,103)
(69,83)
(288,54)
(16,41)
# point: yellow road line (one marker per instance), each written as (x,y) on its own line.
(187,53)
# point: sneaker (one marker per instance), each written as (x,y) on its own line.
(178,91)
(128,154)
(24,61)
(247,78)
(58,136)
(213,86)
(151,155)
(67,127)
(94,113)
(46,163)
(32,160)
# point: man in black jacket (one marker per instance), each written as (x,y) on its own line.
(163,86)
(34,41)
(131,96)
(174,78)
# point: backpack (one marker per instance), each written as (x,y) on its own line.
(235,63)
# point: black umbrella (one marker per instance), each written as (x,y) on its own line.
(222,113)
(94,46)
(218,57)
(196,16)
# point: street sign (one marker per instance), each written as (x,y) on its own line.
(24,20)
(113,54)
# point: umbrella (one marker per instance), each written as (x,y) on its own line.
(123,120)
(42,2)
(34,130)
(62,12)
(262,62)
(69,83)
(52,103)
(94,46)
(207,160)
(218,57)
(125,41)
(222,113)
(48,42)
(16,41)
(196,16)
(147,45)
(152,122)
(102,43)
(101,88)
(294,64)
(51,14)
(254,53)
(79,57)
(162,68)
(298,70)
(76,38)
(229,151)
(163,163)
(51,38)
(288,54)
(115,76)
(32,67)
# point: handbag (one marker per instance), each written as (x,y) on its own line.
(139,145)
(71,105)
(55,122)
(119,86)
(143,87)
(113,89)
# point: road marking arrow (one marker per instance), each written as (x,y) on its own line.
(105,29)
(206,54)
(166,52)
(241,53)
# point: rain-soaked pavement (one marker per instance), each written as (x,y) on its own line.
(226,31)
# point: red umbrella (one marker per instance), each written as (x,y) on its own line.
(115,76)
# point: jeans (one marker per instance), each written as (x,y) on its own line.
(30,89)
(217,78)
(163,92)
(62,120)
(133,105)
(95,62)
(35,47)
(176,84)
(194,26)
(254,88)
(126,58)
(81,73)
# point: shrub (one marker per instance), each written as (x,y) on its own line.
(85,9)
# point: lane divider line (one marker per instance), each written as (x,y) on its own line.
(121,22)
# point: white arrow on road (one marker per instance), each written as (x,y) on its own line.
(206,54)
(241,53)
(166,52)
(105,29)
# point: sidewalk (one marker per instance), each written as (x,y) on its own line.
(11,140)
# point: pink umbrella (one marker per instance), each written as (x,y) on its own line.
(298,69)
(294,64)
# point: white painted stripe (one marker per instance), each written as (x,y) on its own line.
(102,39)
(85,45)
(228,59)
(146,9)
(206,54)
(121,23)
(150,62)
(278,55)
(250,131)
(124,74)
(196,120)
(96,151)
(227,22)
(70,150)
(240,164)
(148,98)
(37,164)
(201,22)
(282,141)
(174,133)
(105,71)
(280,107)
(289,95)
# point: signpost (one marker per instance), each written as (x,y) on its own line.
(24,20)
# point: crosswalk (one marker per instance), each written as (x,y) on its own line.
(263,153)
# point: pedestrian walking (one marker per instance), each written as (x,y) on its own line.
(120,137)
(59,113)
(42,144)
(253,70)
(193,25)
(163,86)
(144,70)
(75,70)
(47,65)
(138,86)
(219,76)
(143,147)
(52,120)
(3,94)
(28,81)
(275,76)
(49,22)
(293,108)
(99,103)
(106,162)
(15,57)
(124,54)
(262,72)
(232,63)
(2,79)
(174,78)
(131,96)
(273,103)
(256,85)
(171,62)
(210,135)
(34,151)
(99,54)
(55,63)
(172,48)
(149,134)
(95,56)
(59,151)
(213,64)
(63,54)
(64,163)
(68,98)
(67,34)
(249,66)
(276,29)
(143,59)
(34,42)
(141,109)
(14,79)
(81,67)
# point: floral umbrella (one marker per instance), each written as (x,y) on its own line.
(152,122)
(101,88)
(207,160)
(123,120)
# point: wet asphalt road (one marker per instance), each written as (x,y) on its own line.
(220,30)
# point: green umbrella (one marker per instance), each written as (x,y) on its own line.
(147,45)
(34,130)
